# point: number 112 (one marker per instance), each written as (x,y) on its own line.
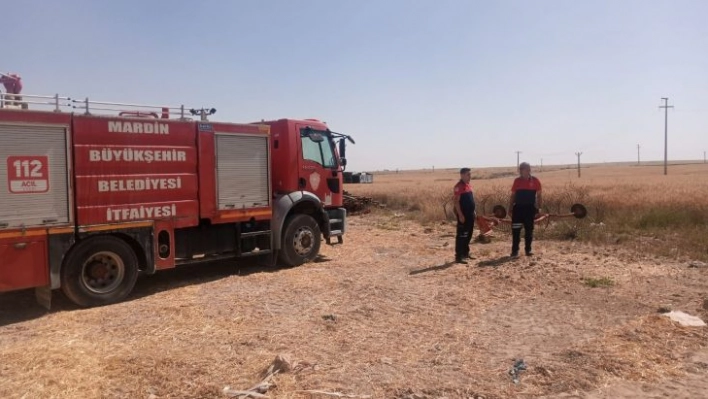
(22,169)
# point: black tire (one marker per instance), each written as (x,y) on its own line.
(99,271)
(301,240)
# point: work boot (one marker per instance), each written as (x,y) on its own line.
(529,253)
(460,260)
(514,254)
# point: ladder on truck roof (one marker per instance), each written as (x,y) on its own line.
(58,103)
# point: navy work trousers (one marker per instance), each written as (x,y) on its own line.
(464,236)
(522,217)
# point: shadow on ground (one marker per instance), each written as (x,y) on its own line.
(20,306)
(496,262)
(432,268)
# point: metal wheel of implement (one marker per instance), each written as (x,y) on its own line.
(579,211)
(499,211)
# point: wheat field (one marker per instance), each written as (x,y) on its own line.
(389,315)
(637,205)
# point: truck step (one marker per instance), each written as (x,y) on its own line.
(333,221)
(255,253)
(256,234)
(340,240)
(204,259)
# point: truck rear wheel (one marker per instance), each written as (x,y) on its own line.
(99,271)
(301,240)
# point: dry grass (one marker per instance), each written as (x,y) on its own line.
(388,315)
(638,206)
(636,351)
(384,315)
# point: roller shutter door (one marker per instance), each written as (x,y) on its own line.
(242,171)
(34,186)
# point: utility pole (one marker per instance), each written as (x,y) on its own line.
(704,157)
(638,160)
(542,164)
(666,107)
(517,159)
(578,154)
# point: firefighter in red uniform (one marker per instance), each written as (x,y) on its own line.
(525,204)
(465,212)
(13,87)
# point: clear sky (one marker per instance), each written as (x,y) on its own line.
(417,83)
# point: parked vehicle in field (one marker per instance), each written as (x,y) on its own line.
(87,200)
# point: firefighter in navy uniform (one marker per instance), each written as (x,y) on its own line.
(525,204)
(465,212)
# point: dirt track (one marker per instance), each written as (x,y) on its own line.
(384,315)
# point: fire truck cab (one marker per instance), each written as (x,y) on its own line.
(88,201)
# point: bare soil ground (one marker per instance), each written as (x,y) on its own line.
(385,315)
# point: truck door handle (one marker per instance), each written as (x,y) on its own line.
(20,245)
(3,225)
(45,221)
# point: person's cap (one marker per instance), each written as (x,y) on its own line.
(465,170)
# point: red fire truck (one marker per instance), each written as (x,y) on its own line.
(89,201)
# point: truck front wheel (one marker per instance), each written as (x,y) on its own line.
(99,271)
(301,240)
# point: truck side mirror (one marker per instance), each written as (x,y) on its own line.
(343,153)
(342,149)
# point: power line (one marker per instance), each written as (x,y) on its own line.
(666,107)
(578,154)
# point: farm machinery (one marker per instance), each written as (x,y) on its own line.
(499,218)
(500,221)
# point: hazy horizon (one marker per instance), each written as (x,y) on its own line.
(537,167)
(444,83)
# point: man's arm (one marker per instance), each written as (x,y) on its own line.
(458,209)
(457,194)
(539,200)
(474,204)
(512,197)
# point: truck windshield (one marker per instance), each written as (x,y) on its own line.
(319,151)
